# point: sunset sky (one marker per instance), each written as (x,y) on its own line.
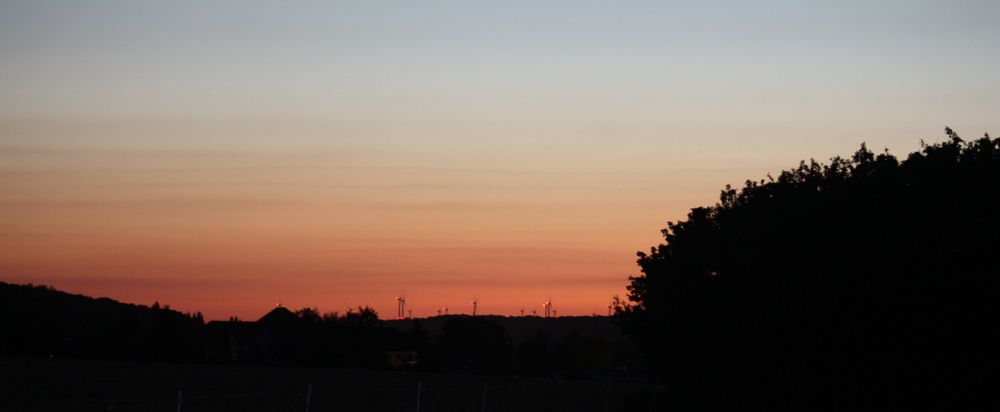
(225,156)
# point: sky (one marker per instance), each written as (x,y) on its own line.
(225,157)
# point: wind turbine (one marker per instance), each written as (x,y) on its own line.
(401,307)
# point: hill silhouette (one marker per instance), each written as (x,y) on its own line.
(41,321)
(521,328)
(866,283)
(44,322)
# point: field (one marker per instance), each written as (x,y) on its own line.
(86,385)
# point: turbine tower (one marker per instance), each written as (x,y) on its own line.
(400,307)
(475,303)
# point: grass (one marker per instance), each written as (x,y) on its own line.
(88,385)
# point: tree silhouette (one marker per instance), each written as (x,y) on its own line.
(865,283)
(41,321)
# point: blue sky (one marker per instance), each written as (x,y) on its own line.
(526,134)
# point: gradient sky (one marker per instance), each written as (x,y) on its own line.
(225,156)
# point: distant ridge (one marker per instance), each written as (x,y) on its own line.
(521,328)
(42,321)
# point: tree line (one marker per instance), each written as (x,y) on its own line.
(869,282)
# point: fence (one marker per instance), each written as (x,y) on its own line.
(248,389)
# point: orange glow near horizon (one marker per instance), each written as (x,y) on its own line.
(222,158)
(230,235)
(230,230)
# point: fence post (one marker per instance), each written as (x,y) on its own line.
(607,397)
(482,408)
(652,399)
(180,399)
(419,383)
(309,392)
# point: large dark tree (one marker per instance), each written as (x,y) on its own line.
(865,283)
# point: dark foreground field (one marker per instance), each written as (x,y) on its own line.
(82,385)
